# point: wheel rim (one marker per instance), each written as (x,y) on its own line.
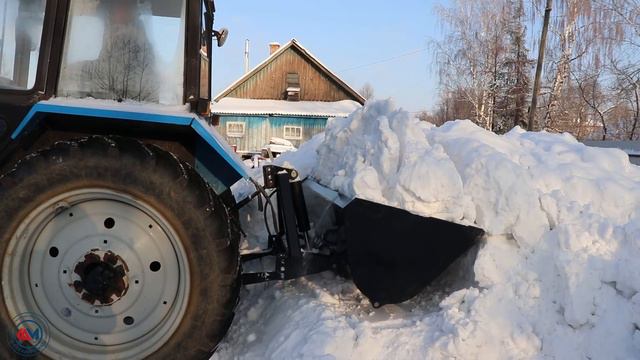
(106,271)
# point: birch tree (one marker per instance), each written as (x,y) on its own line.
(591,82)
(469,56)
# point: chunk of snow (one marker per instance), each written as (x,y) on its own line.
(280,141)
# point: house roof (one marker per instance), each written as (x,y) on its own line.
(236,106)
(307,54)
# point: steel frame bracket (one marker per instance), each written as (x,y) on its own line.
(290,259)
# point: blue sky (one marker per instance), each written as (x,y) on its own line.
(348,36)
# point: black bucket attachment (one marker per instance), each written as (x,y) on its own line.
(394,254)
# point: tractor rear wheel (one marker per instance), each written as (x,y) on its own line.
(113,249)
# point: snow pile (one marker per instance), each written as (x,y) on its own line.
(559,273)
(382,155)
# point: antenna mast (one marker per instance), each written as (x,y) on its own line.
(246,56)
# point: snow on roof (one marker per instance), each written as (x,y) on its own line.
(630,147)
(308,54)
(126,105)
(236,106)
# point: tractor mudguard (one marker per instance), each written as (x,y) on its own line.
(215,160)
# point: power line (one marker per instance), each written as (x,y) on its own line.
(417,51)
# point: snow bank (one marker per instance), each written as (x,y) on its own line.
(557,277)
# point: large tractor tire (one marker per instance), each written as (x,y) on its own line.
(114,249)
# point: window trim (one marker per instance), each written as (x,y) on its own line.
(206,28)
(236,134)
(292,137)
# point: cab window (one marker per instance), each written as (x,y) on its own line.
(124,50)
(21,24)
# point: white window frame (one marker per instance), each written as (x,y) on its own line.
(294,128)
(236,134)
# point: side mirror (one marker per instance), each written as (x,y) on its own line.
(221,36)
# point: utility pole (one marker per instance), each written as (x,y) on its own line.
(536,83)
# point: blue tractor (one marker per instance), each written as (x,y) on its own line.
(119,235)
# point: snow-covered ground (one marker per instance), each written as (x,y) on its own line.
(557,276)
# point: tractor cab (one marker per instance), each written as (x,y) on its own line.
(150,51)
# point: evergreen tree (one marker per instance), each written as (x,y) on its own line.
(514,75)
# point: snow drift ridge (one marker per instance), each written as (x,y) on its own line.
(557,277)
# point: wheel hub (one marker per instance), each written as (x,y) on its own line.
(68,264)
(103,278)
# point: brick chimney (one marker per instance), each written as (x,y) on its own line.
(273,47)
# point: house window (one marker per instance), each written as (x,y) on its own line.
(293,132)
(293,87)
(235,129)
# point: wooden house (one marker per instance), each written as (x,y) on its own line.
(291,95)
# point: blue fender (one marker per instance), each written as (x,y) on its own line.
(215,160)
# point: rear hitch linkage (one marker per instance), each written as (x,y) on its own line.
(292,260)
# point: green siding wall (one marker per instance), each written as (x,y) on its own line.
(259,129)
